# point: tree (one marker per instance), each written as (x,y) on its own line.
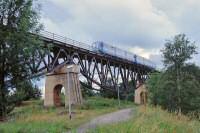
(28,91)
(153,87)
(111,92)
(190,84)
(177,88)
(127,94)
(176,53)
(163,90)
(17,19)
(86,90)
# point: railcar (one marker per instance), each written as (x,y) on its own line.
(105,48)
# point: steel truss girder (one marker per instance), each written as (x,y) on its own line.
(90,67)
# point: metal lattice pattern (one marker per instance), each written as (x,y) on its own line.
(95,68)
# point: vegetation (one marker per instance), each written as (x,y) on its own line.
(26,91)
(177,88)
(17,49)
(109,93)
(32,117)
(86,90)
(125,94)
(152,120)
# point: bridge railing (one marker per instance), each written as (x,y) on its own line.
(65,40)
(117,52)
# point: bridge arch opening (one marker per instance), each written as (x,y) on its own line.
(58,95)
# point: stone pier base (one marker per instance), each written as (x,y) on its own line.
(60,78)
(141,95)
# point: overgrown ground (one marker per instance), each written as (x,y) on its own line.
(152,120)
(32,117)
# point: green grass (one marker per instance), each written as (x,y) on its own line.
(152,120)
(32,117)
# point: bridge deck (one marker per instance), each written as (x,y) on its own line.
(82,49)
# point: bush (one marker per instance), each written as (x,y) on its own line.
(163,91)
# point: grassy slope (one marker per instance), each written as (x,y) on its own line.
(32,117)
(152,120)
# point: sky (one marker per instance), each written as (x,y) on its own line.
(138,26)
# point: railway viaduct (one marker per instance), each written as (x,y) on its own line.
(66,58)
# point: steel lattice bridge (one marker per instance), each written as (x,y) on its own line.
(98,63)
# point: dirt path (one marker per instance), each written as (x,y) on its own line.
(114,117)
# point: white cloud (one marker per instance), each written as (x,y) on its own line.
(142,25)
(50,25)
(143,52)
(139,26)
(115,21)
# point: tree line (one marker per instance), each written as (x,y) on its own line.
(177,87)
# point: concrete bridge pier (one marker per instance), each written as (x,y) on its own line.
(67,77)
